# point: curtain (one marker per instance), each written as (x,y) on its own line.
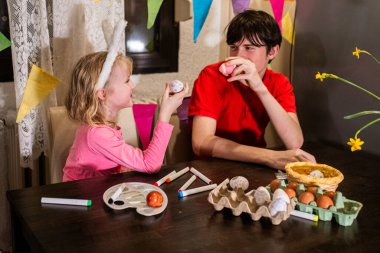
(53,35)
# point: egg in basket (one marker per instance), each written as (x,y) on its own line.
(310,174)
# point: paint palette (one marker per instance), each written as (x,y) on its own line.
(134,196)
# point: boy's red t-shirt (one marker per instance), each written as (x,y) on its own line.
(239,113)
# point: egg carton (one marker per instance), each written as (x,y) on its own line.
(240,202)
(344,210)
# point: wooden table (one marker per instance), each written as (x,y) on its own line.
(191,224)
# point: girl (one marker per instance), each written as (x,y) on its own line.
(99,148)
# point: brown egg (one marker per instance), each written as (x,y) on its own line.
(274,184)
(291,193)
(324,202)
(292,185)
(331,194)
(312,189)
(306,197)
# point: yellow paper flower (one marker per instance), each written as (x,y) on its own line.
(356,144)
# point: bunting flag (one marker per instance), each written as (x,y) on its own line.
(4,42)
(200,10)
(40,83)
(153,8)
(144,114)
(278,8)
(287,28)
(240,5)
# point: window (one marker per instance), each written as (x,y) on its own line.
(154,50)
(6,69)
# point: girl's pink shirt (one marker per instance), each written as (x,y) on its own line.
(101,150)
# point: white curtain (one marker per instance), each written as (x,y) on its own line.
(53,35)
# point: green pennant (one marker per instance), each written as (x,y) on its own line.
(153,8)
(4,42)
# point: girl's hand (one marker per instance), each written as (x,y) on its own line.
(169,103)
(245,72)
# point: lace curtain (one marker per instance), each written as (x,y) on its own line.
(53,35)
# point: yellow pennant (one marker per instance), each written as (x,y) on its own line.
(287,28)
(39,85)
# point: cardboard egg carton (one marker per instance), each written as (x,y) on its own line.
(344,210)
(240,202)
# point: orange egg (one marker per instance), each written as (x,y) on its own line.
(330,194)
(291,193)
(154,199)
(274,184)
(324,202)
(312,189)
(292,185)
(306,197)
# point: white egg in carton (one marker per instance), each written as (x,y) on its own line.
(257,203)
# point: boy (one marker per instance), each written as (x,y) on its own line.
(230,113)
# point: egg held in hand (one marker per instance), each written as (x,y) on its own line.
(154,199)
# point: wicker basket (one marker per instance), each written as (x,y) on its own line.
(299,172)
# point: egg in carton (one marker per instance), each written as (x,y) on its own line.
(257,203)
(342,209)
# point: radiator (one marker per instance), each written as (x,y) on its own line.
(9,132)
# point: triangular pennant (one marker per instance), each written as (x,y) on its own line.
(278,8)
(153,8)
(287,28)
(4,42)
(240,5)
(40,83)
(144,114)
(200,10)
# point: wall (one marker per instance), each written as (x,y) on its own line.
(193,57)
(327,33)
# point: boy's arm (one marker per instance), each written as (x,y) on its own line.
(206,143)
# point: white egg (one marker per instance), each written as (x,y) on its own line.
(176,86)
(278,205)
(239,182)
(281,194)
(316,173)
(261,195)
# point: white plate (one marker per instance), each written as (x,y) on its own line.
(134,196)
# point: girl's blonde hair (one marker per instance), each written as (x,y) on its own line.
(82,103)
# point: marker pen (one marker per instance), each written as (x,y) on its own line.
(200,175)
(63,201)
(182,194)
(188,183)
(308,216)
(177,175)
(117,193)
(162,180)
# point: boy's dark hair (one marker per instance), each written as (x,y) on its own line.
(260,28)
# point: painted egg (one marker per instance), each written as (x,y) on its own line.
(226,69)
(316,173)
(261,195)
(281,194)
(176,86)
(278,205)
(239,182)
(154,199)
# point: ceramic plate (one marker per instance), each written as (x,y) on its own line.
(134,196)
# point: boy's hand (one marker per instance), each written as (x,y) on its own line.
(245,72)
(169,103)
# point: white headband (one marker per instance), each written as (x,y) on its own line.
(112,54)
